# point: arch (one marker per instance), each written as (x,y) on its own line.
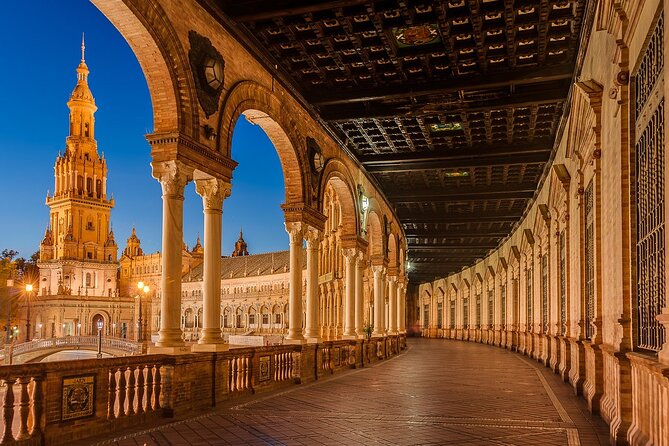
(375,235)
(261,107)
(393,254)
(94,322)
(154,41)
(339,178)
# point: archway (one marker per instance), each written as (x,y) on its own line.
(97,319)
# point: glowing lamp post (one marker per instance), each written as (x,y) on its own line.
(100,338)
(29,290)
(142,289)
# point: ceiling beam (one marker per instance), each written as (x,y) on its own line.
(465,83)
(460,163)
(455,235)
(437,247)
(416,218)
(380,110)
(502,192)
(264,10)
(441,152)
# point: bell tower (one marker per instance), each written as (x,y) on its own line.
(79,207)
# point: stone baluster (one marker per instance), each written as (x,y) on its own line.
(233,379)
(8,412)
(158,388)
(148,385)
(24,408)
(111,395)
(139,389)
(121,392)
(37,407)
(247,375)
(131,391)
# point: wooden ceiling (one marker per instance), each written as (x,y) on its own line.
(452,105)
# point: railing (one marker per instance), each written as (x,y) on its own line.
(76,341)
(39,401)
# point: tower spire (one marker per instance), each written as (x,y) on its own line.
(83,48)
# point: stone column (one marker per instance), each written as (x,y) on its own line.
(351,256)
(392,305)
(359,296)
(295,232)
(312,328)
(401,306)
(213,191)
(173,177)
(379,301)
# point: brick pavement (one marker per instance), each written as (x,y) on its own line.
(438,393)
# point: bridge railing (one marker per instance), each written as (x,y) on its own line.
(108,343)
(63,401)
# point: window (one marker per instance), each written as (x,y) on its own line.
(440,314)
(491,308)
(265,319)
(478,311)
(277,318)
(452,321)
(589,256)
(544,293)
(503,305)
(88,279)
(252,319)
(530,298)
(465,312)
(426,316)
(650,192)
(563,284)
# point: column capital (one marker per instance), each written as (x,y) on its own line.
(392,278)
(295,231)
(213,191)
(173,176)
(378,269)
(350,254)
(313,236)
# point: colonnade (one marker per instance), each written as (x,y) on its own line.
(173,176)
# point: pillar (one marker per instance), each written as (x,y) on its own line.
(359,297)
(295,232)
(392,305)
(213,191)
(173,176)
(401,307)
(379,301)
(312,327)
(351,256)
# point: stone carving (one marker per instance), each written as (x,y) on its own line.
(173,177)
(208,67)
(213,191)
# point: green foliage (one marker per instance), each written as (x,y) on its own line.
(369,329)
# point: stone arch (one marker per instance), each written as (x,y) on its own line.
(393,252)
(261,107)
(164,62)
(375,235)
(337,175)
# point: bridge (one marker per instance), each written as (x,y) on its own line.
(39,349)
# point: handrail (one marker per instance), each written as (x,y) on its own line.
(77,341)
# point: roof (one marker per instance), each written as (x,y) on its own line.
(248,266)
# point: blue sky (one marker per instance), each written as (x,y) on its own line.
(40,51)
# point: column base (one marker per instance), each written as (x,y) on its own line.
(314,340)
(349,337)
(171,350)
(392,332)
(378,334)
(294,341)
(215,347)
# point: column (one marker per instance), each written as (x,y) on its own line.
(401,305)
(312,327)
(359,297)
(392,305)
(173,176)
(351,256)
(379,304)
(295,232)
(213,191)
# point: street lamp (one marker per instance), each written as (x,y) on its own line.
(29,290)
(100,338)
(142,289)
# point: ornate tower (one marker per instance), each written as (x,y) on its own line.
(240,247)
(80,209)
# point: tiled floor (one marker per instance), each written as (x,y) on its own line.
(437,393)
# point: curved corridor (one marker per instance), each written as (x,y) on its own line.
(438,392)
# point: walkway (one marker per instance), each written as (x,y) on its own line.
(438,392)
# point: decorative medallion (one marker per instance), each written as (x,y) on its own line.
(416,35)
(208,69)
(316,158)
(446,126)
(264,369)
(78,397)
